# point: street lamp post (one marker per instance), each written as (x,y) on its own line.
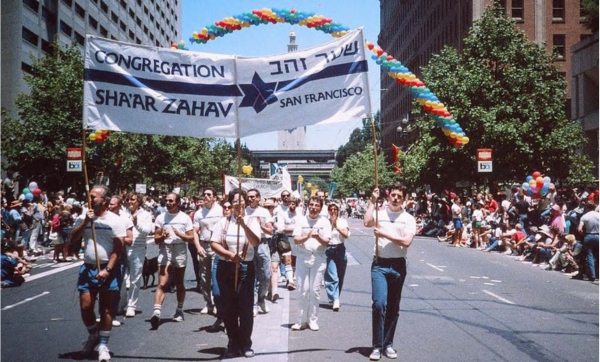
(403,130)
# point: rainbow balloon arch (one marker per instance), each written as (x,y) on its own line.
(403,76)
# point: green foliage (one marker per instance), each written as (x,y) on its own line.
(51,120)
(507,96)
(359,139)
(358,173)
(589,11)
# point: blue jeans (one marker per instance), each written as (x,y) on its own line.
(238,313)
(336,270)
(387,279)
(495,243)
(590,250)
(262,264)
(215,290)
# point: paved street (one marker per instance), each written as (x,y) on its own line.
(458,304)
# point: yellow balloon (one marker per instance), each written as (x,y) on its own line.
(98,132)
(465,140)
(204,31)
(92,137)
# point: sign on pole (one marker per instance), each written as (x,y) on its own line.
(484,160)
(74,159)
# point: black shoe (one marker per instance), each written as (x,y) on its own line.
(577,276)
(232,353)
(155,321)
(249,353)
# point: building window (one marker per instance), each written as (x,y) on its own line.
(32,4)
(93,22)
(30,36)
(131,35)
(123,4)
(114,17)
(145,10)
(48,15)
(131,14)
(80,11)
(80,39)
(138,21)
(558,45)
(27,68)
(46,48)
(104,7)
(138,41)
(103,32)
(139,2)
(145,30)
(558,10)
(113,37)
(123,26)
(517,10)
(65,28)
(69,3)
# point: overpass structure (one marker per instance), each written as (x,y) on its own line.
(307,163)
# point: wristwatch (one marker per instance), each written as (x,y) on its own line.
(108,269)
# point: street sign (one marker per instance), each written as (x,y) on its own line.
(141,188)
(484,160)
(74,166)
(74,153)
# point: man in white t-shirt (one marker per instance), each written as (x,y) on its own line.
(173,229)
(103,246)
(204,220)
(394,230)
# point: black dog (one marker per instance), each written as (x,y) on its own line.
(148,270)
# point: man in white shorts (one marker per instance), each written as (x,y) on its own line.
(173,229)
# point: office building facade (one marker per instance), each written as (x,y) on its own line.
(30,26)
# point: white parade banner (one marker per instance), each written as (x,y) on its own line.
(175,92)
(268,188)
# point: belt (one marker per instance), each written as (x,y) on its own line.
(388,261)
(93,266)
(591,234)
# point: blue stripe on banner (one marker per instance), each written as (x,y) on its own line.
(329,72)
(93,75)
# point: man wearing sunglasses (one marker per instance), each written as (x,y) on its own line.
(285,213)
(204,221)
(172,230)
(394,230)
(262,260)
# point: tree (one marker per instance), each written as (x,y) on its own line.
(358,173)
(50,118)
(359,139)
(507,95)
(589,12)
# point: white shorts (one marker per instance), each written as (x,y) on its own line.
(172,254)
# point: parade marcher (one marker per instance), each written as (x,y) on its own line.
(173,229)
(285,214)
(336,257)
(228,234)
(115,206)
(103,283)
(311,236)
(142,227)
(204,220)
(456,210)
(262,255)
(394,231)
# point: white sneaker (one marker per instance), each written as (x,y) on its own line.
(263,307)
(298,327)
(255,311)
(130,312)
(205,310)
(103,353)
(336,305)
(116,323)
(178,317)
(313,326)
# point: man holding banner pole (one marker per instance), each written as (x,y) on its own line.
(394,230)
(104,281)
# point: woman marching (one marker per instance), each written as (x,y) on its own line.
(336,256)
(231,240)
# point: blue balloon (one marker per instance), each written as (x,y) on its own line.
(529,178)
(29,197)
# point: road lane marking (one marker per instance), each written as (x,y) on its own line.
(497,297)
(496,281)
(489,284)
(351,259)
(53,271)
(25,300)
(435,267)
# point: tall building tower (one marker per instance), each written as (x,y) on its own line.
(30,26)
(415,30)
(292,139)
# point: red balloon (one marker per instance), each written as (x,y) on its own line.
(379,52)
(536,174)
(37,192)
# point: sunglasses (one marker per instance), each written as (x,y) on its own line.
(207,194)
(227,207)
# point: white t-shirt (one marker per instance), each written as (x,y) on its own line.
(456,211)
(180,221)
(285,220)
(311,246)
(226,229)
(477,215)
(399,223)
(143,227)
(205,219)
(107,228)
(259,216)
(336,238)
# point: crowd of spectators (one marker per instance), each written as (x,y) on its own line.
(558,231)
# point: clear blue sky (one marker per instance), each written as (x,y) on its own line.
(273,39)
